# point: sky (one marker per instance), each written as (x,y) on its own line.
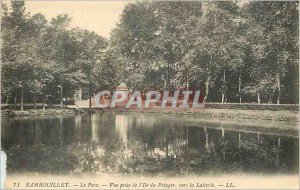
(98,16)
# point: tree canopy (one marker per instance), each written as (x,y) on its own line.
(234,52)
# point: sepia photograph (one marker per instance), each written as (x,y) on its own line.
(142,94)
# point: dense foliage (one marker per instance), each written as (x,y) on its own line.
(47,61)
(235,52)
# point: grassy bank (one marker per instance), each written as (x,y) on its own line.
(220,114)
(36,112)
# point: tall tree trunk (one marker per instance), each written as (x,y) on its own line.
(61,97)
(90,101)
(7,98)
(224,73)
(207,88)
(15,101)
(207,83)
(271,95)
(278,87)
(34,100)
(44,103)
(278,80)
(187,80)
(258,98)
(222,96)
(240,84)
(224,86)
(168,75)
(22,98)
(90,94)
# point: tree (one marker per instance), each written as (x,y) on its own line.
(217,45)
(63,52)
(17,50)
(91,47)
(277,23)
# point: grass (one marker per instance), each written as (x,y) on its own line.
(36,112)
(208,113)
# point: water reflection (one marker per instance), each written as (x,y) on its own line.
(122,127)
(144,144)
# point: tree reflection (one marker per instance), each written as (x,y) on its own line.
(148,145)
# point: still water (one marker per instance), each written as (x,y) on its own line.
(143,144)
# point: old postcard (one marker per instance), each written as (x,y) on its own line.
(168,95)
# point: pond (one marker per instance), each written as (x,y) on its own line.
(144,144)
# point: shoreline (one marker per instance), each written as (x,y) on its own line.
(206,113)
(36,112)
(211,113)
